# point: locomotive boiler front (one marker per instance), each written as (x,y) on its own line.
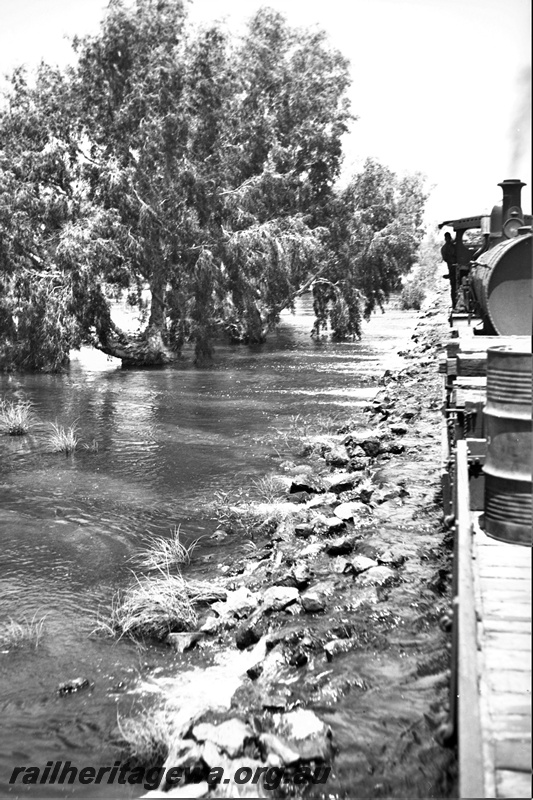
(501,283)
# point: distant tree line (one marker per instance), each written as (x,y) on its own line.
(201,165)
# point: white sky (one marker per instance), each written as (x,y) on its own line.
(439,86)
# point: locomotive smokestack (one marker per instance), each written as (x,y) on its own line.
(512,190)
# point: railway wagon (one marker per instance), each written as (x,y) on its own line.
(486,487)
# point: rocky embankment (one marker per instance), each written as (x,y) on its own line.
(331,613)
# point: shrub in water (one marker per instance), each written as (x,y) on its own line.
(15,418)
(164,553)
(63,440)
(20,634)
(153,607)
(149,737)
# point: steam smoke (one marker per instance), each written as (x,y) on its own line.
(521,127)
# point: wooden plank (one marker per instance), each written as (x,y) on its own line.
(507,640)
(512,755)
(488,549)
(515,660)
(508,598)
(510,725)
(495,584)
(509,611)
(471,383)
(511,704)
(471,365)
(521,552)
(471,770)
(513,784)
(509,681)
(520,572)
(521,626)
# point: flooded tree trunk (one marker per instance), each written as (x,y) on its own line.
(149,347)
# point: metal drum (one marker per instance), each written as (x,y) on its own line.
(508,464)
(501,281)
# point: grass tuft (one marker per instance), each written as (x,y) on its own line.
(270,489)
(92,447)
(165,553)
(22,634)
(148,738)
(63,440)
(15,417)
(152,607)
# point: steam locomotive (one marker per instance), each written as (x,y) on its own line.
(495,281)
(486,488)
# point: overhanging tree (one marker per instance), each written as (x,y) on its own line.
(375,234)
(203,168)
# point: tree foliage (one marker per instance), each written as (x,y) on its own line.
(199,165)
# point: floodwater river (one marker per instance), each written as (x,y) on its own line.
(167,439)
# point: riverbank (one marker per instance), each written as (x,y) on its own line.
(324,640)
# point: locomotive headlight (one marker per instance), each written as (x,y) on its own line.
(513,223)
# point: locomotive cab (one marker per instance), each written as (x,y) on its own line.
(495,281)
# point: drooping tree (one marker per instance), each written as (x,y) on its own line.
(213,165)
(375,235)
(52,240)
(200,166)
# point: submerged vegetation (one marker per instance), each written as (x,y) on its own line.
(15,416)
(63,439)
(152,607)
(27,633)
(165,553)
(148,738)
(202,166)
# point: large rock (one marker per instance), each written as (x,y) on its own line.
(395,448)
(183,641)
(392,558)
(312,550)
(299,497)
(328,525)
(398,430)
(305,483)
(341,565)
(372,446)
(356,451)
(325,499)
(337,456)
(247,635)
(276,598)
(315,599)
(336,646)
(376,576)
(339,482)
(275,744)
(239,603)
(300,724)
(74,685)
(211,624)
(302,575)
(350,510)
(357,464)
(303,530)
(362,564)
(304,732)
(339,546)
(230,736)
(297,576)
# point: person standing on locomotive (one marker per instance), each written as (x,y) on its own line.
(447,252)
